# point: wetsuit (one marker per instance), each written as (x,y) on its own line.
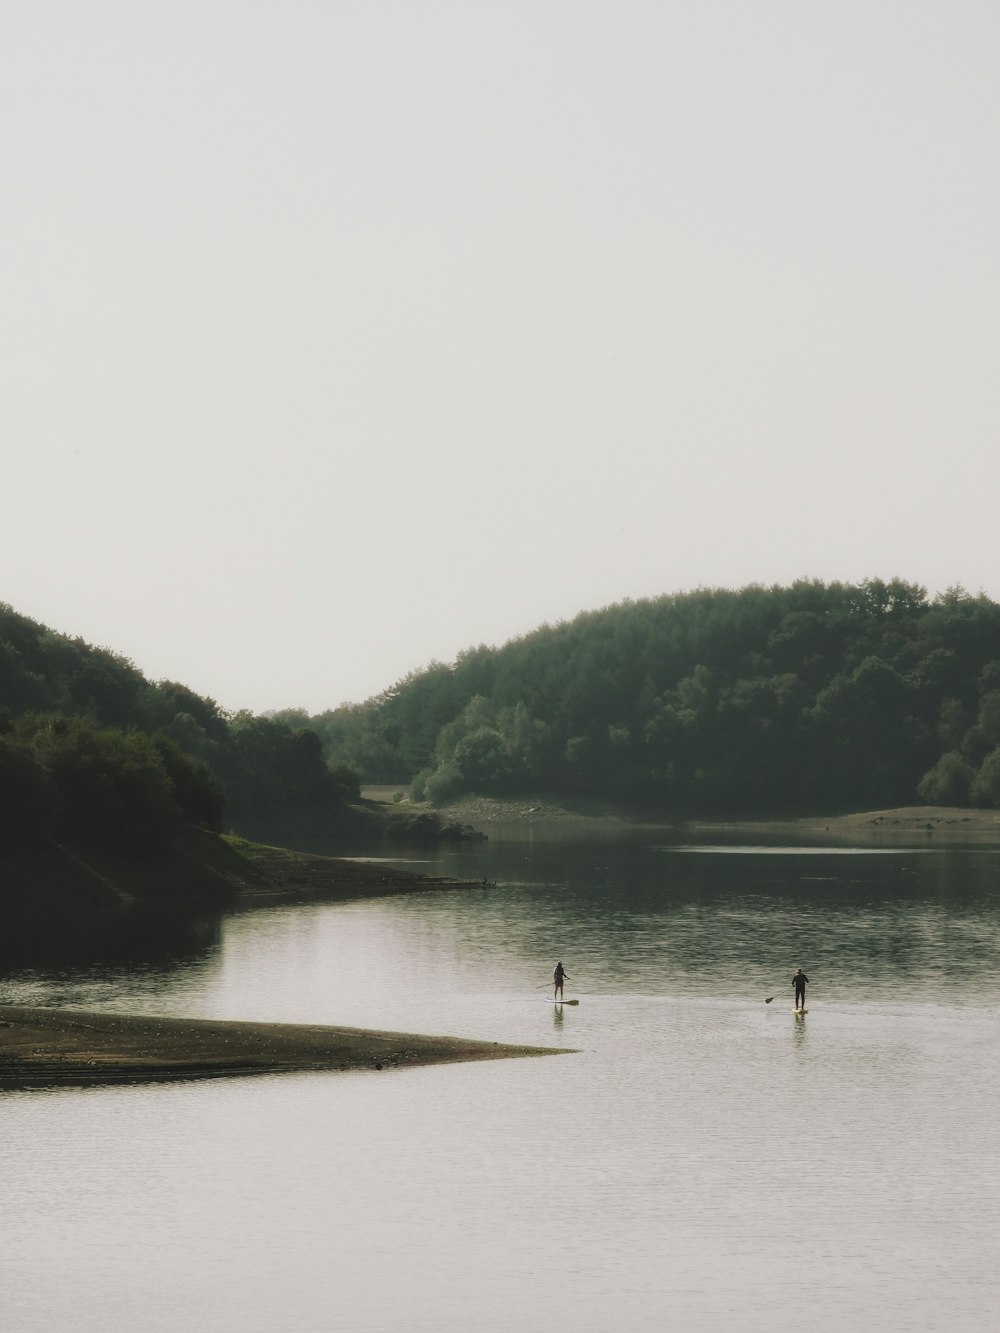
(799,982)
(557,977)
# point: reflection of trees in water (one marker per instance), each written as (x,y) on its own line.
(858,925)
(631,916)
(634,917)
(120,940)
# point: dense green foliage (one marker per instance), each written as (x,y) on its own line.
(90,748)
(814,696)
(64,777)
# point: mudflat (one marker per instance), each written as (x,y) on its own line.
(42,1047)
(903,824)
(955,825)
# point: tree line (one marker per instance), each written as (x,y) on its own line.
(763,699)
(92,749)
(808,697)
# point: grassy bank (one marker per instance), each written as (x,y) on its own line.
(42,1047)
(277,873)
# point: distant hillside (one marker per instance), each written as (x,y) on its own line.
(806,697)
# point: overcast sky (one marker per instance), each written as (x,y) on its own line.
(338,337)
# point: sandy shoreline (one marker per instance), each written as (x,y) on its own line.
(44,1047)
(953,824)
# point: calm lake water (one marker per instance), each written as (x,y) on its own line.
(705,1160)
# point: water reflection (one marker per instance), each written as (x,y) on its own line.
(115,940)
(723,1163)
(631,915)
(799,1030)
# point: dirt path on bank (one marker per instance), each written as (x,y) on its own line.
(41,1047)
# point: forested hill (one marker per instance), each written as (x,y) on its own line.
(90,749)
(809,697)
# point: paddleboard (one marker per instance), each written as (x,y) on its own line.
(552,1000)
(800,1012)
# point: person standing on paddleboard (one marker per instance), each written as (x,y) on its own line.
(557,976)
(799,982)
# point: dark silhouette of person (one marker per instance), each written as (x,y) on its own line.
(557,976)
(799,982)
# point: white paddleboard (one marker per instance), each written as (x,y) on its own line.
(552,1000)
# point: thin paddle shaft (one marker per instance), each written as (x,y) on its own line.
(769,999)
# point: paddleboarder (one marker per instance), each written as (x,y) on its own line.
(799,982)
(558,976)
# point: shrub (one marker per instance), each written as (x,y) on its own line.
(443,783)
(346,782)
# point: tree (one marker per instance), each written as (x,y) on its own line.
(985,790)
(948,782)
(26,798)
(483,760)
(107,787)
(984,736)
(197,794)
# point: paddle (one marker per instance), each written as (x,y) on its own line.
(770,998)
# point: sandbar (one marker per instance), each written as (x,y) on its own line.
(40,1047)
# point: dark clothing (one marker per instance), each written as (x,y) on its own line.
(799,982)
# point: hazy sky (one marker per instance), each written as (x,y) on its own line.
(338,337)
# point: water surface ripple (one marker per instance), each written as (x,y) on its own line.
(706,1159)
